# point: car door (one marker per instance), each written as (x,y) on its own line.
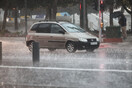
(57,37)
(43,35)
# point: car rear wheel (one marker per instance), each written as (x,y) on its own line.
(51,49)
(71,47)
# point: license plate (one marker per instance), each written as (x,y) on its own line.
(93,43)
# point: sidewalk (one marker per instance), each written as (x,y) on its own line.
(129,39)
(125,44)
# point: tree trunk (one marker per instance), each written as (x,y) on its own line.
(81,13)
(48,12)
(131,18)
(4,20)
(131,23)
(111,18)
(130,2)
(54,8)
(16,21)
(5,16)
(122,9)
(86,16)
(129,11)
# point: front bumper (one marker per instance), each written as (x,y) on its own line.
(87,45)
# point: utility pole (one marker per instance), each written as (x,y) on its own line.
(25,17)
(101,21)
(131,20)
(84,14)
(81,13)
(100,38)
(0,53)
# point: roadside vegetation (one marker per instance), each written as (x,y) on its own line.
(50,7)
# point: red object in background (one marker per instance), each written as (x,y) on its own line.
(105,45)
(100,17)
(101,5)
(101,2)
(80,6)
(108,40)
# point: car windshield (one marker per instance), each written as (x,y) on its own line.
(72,28)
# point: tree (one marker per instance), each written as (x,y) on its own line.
(127,4)
(14,5)
(110,5)
(4,5)
(9,5)
(83,16)
(51,7)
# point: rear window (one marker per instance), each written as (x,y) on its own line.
(43,28)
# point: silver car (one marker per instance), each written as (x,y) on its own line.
(61,35)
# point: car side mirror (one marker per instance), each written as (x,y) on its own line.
(62,32)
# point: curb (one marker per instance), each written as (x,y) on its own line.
(112,40)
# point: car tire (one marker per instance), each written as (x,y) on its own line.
(71,47)
(51,49)
(30,46)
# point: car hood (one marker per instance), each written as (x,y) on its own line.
(82,35)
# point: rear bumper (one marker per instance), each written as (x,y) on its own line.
(87,45)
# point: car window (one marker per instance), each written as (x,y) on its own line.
(34,28)
(55,28)
(43,28)
(72,28)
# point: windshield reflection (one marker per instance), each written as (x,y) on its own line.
(72,28)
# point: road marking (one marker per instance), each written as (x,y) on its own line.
(67,69)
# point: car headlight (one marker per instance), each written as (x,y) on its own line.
(97,39)
(82,40)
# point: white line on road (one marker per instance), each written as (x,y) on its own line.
(67,69)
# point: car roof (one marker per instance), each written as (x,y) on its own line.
(57,22)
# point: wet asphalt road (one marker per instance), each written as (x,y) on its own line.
(110,66)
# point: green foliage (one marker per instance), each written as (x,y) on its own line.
(112,3)
(127,4)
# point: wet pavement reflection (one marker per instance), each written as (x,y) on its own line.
(106,67)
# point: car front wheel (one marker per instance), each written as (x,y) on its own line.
(71,47)
(30,46)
